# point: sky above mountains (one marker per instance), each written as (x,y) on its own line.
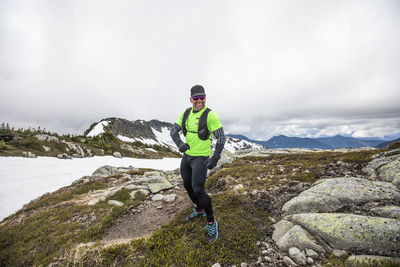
(298,68)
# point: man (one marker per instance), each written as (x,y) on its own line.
(199,125)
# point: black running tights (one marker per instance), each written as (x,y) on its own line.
(194,173)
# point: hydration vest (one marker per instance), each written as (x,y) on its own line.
(202,131)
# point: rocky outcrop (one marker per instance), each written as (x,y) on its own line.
(329,195)
(346,215)
(150,184)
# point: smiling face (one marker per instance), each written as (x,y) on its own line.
(198,103)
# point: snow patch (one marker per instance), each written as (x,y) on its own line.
(98,129)
(24,179)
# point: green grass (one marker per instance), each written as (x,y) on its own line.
(181,243)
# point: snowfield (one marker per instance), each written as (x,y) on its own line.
(24,179)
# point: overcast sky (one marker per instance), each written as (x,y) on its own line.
(300,68)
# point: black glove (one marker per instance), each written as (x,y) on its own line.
(211,162)
(183,147)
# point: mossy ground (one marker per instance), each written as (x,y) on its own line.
(57,224)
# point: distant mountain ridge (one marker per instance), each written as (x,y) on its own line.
(334,142)
(154,132)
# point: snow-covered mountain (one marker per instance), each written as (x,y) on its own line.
(154,132)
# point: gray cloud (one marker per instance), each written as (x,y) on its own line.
(321,68)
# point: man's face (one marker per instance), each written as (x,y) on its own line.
(198,102)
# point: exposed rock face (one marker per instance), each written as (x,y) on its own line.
(315,220)
(46,137)
(330,195)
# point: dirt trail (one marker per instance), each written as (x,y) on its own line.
(151,218)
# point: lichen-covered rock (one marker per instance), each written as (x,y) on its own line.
(298,256)
(332,194)
(368,260)
(387,212)
(345,231)
(390,172)
(281,228)
(298,237)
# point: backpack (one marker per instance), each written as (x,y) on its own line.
(202,131)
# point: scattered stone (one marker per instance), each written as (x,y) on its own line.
(46,149)
(115,203)
(289,262)
(46,137)
(310,261)
(339,253)
(297,256)
(117,154)
(311,253)
(64,156)
(157,197)
(169,198)
(216,265)
(157,187)
(29,154)
(267,259)
(243,264)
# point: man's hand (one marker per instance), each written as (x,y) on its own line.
(211,162)
(183,147)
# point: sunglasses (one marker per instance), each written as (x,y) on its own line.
(202,97)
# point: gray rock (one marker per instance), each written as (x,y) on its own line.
(281,228)
(388,212)
(311,253)
(390,172)
(289,262)
(297,256)
(216,265)
(310,261)
(368,260)
(157,197)
(345,231)
(64,156)
(117,154)
(74,148)
(169,198)
(298,237)
(339,253)
(108,170)
(157,187)
(46,137)
(332,194)
(46,148)
(115,203)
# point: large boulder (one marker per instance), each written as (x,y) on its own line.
(347,231)
(108,170)
(330,195)
(390,172)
